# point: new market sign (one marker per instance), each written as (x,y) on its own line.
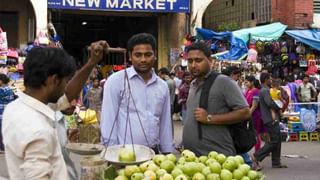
(123,5)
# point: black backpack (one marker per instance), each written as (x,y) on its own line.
(243,133)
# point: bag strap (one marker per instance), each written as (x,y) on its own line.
(204,96)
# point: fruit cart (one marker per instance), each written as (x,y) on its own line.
(137,162)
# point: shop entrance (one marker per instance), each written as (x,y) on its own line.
(78,30)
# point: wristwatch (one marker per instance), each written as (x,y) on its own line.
(209,117)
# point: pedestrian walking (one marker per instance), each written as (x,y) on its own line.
(272,125)
(138,97)
(184,93)
(94,96)
(252,97)
(164,75)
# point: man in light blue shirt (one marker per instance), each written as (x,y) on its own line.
(142,116)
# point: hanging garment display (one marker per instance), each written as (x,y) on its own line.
(3,40)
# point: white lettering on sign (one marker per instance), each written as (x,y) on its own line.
(112,3)
(70,2)
(125,3)
(160,4)
(80,3)
(137,3)
(96,3)
(148,4)
(171,3)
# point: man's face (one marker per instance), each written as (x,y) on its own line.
(143,58)
(188,78)
(305,79)
(198,64)
(268,82)
(236,77)
(162,75)
(96,83)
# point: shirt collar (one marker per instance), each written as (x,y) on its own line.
(37,105)
(133,73)
(205,77)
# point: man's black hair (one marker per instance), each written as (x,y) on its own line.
(4,78)
(42,63)
(201,46)
(233,70)
(264,68)
(164,70)
(264,77)
(305,76)
(141,38)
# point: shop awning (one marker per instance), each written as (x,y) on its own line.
(238,47)
(265,33)
(308,37)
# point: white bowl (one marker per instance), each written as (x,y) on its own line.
(143,154)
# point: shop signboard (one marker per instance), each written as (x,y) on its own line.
(182,6)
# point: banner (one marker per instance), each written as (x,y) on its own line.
(123,5)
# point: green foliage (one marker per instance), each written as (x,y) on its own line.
(228,26)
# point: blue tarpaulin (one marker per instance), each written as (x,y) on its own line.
(308,37)
(238,47)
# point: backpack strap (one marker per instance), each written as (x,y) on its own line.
(204,96)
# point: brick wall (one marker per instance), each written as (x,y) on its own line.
(294,13)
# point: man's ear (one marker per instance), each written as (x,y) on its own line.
(211,62)
(155,55)
(56,80)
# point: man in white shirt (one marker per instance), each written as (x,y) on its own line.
(306,91)
(29,124)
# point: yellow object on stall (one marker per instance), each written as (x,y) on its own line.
(88,117)
(294,118)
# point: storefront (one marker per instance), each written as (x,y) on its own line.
(18,21)
(80,22)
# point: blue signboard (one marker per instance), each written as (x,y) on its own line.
(123,5)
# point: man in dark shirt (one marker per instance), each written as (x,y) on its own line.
(274,146)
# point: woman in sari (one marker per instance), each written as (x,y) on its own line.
(252,97)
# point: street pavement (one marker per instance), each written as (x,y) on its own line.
(303,160)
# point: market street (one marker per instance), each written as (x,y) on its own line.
(306,168)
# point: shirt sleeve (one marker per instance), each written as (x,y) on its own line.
(256,95)
(110,105)
(232,93)
(37,153)
(313,88)
(166,136)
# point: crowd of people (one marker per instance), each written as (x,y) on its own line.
(137,105)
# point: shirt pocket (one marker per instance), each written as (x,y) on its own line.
(156,104)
